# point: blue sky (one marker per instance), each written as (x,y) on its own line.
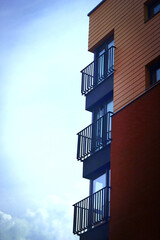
(43,47)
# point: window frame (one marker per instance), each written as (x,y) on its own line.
(100,55)
(153,70)
(107,196)
(150,72)
(149,9)
(107,172)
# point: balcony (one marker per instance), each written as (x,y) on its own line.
(98,71)
(94,137)
(92,211)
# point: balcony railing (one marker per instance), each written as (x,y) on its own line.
(92,211)
(94,137)
(97,71)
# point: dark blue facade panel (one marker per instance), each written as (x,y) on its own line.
(101,91)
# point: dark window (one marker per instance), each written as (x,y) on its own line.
(102,127)
(104,61)
(155,73)
(151,8)
(101,182)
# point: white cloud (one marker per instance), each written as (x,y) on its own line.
(12,228)
(50,221)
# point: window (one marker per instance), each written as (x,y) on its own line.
(100,188)
(104,63)
(99,183)
(155,73)
(152,73)
(151,8)
(102,128)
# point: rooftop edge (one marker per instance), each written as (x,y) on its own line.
(95,8)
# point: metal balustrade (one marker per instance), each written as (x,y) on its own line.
(92,211)
(97,71)
(94,137)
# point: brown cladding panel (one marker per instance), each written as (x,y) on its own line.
(137,43)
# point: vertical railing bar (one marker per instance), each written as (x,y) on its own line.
(84,214)
(95,202)
(97,207)
(81,141)
(97,211)
(78,217)
(87,140)
(90,208)
(93,205)
(74,219)
(81,216)
(105,202)
(99,202)
(78,147)
(100,205)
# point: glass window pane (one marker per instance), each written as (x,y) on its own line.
(111,44)
(158,74)
(99,183)
(110,106)
(110,57)
(101,65)
(156,9)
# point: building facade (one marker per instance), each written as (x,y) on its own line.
(120,149)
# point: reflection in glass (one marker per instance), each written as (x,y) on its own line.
(99,183)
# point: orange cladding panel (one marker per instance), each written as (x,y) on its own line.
(137,43)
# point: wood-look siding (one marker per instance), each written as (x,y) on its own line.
(137,44)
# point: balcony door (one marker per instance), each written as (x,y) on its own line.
(109,125)
(99,183)
(100,112)
(102,125)
(105,61)
(110,57)
(101,65)
(100,190)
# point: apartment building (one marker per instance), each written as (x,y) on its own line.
(120,149)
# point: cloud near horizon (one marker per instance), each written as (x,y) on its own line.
(51,221)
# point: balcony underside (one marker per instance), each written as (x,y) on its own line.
(96,162)
(102,91)
(100,232)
